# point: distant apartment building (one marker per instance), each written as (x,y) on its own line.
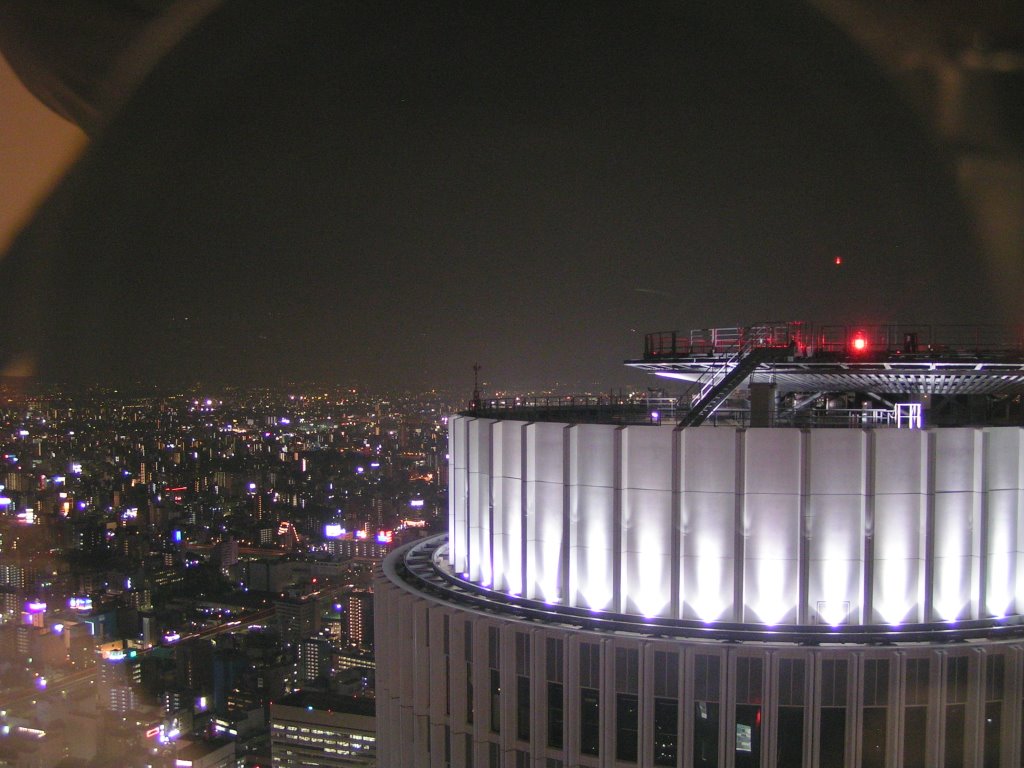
(327,730)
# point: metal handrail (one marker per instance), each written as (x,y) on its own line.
(810,340)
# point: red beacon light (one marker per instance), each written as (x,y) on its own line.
(859,342)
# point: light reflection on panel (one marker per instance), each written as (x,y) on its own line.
(647,519)
(708,522)
(480,501)
(544,502)
(508,470)
(1003,457)
(835,525)
(458,492)
(592,515)
(771,524)
(899,524)
(957,505)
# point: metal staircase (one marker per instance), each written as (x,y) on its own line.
(716,390)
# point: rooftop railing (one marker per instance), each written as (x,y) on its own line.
(811,340)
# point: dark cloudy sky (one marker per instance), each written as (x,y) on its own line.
(386,193)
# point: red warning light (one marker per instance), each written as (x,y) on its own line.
(859,343)
(839,260)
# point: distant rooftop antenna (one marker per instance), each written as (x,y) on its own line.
(474,404)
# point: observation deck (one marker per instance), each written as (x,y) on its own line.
(907,359)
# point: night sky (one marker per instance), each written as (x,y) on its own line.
(386,193)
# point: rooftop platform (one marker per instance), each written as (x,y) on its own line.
(905,359)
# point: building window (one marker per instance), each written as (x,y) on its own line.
(915,712)
(522,686)
(627,703)
(468,746)
(832,738)
(590,696)
(666,707)
(493,755)
(555,684)
(446,647)
(468,655)
(956,709)
(493,654)
(749,678)
(995,675)
(790,738)
(706,716)
(876,703)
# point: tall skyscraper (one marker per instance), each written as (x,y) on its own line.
(817,559)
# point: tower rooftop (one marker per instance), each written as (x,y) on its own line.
(894,358)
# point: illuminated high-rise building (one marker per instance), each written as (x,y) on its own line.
(359,618)
(816,559)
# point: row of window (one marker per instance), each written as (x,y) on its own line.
(751,717)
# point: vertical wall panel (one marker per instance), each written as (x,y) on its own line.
(479,550)
(508,495)
(837,474)
(647,519)
(958,497)
(458,492)
(771,524)
(544,509)
(708,509)
(591,515)
(1004,463)
(900,487)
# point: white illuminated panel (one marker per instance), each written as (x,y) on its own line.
(479,536)
(592,559)
(647,520)
(1004,465)
(771,524)
(708,522)
(544,510)
(835,525)
(458,492)
(508,506)
(958,497)
(899,530)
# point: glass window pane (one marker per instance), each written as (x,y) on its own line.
(790,738)
(666,731)
(705,733)
(832,747)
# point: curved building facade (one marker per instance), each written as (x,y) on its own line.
(648,594)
